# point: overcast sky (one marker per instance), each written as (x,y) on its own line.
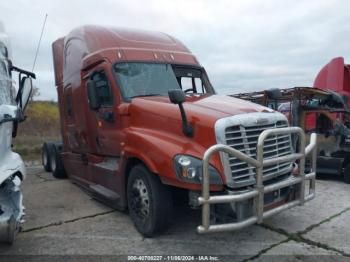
(244,45)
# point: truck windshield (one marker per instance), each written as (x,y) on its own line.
(155,79)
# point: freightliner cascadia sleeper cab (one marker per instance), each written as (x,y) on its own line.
(142,125)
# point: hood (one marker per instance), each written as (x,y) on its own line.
(209,107)
(202,111)
(158,118)
(222,106)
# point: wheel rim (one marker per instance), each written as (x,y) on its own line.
(44,158)
(53,164)
(140,199)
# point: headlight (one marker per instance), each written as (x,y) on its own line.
(189,169)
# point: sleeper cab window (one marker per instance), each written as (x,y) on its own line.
(103,89)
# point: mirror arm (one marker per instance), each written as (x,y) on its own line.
(177,96)
(8,118)
(187,128)
(21,71)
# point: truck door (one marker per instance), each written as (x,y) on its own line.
(104,129)
(104,124)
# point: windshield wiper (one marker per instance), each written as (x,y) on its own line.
(146,95)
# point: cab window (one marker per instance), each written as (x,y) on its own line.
(103,89)
(192,85)
(191,80)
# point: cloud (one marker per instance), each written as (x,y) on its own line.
(244,45)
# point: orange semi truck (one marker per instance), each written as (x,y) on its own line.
(142,125)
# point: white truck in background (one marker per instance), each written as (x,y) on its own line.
(12,170)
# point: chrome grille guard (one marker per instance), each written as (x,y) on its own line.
(260,190)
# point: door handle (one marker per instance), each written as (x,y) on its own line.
(108,117)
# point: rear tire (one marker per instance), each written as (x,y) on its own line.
(45,156)
(149,202)
(57,167)
(347,174)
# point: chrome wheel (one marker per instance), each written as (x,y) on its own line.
(140,199)
(45,160)
(53,164)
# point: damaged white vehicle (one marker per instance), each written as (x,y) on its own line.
(12,170)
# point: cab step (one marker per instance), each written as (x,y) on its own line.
(105,192)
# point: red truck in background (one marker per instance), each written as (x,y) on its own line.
(141,124)
(335,76)
(324,109)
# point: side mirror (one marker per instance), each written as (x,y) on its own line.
(24,92)
(176,96)
(94,101)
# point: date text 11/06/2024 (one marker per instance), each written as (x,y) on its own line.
(173,258)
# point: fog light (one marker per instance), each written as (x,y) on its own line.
(295,170)
(191,172)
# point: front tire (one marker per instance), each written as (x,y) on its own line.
(149,202)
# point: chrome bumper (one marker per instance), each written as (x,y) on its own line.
(258,193)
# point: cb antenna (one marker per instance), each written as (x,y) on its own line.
(38,47)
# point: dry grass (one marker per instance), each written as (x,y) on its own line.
(42,124)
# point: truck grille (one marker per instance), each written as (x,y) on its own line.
(245,140)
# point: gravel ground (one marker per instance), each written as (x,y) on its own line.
(63,223)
